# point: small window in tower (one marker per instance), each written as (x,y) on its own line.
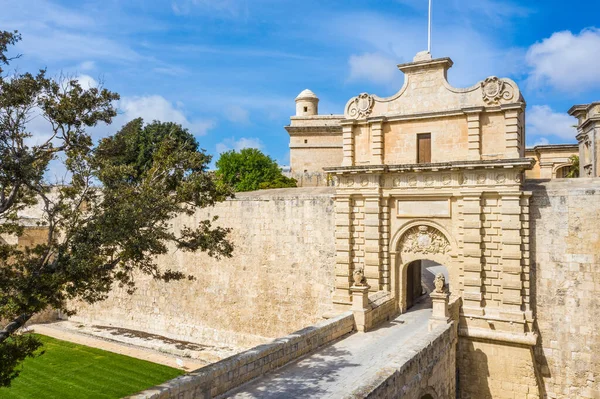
(305,170)
(305,109)
(305,141)
(424,148)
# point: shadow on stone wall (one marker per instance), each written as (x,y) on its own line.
(476,364)
(539,200)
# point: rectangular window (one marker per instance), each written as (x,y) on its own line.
(424,148)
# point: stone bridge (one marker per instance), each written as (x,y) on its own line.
(409,356)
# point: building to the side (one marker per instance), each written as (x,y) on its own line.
(553,161)
(588,136)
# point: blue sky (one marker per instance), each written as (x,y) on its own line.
(229,70)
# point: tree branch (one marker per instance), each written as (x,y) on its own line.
(14,326)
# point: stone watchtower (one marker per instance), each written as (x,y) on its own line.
(588,137)
(315,141)
(435,173)
(307,104)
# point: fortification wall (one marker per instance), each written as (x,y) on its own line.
(280,278)
(565,236)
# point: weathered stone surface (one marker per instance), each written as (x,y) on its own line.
(565,238)
(279,279)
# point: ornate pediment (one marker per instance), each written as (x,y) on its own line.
(427,91)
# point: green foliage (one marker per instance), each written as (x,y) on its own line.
(14,350)
(250,170)
(112,216)
(71,371)
(574,169)
(279,182)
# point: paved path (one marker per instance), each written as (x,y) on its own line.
(336,370)
(150,355)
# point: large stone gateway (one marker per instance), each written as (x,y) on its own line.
(436,173)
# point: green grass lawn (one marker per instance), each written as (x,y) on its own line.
(69,370)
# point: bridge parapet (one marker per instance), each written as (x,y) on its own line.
(220,377)
(427,366)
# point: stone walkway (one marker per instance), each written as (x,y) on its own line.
(336,370)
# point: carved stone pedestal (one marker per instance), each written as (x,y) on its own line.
(440,314)
(360,306)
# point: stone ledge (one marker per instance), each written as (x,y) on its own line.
(523,163)
(414,367)
(236,370)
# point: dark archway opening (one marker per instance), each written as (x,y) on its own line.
(428,396)
(420,276)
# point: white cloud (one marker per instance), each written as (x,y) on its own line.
(156,107)
(87,82)
(237,114)
(386,42)
(233,144)
(542,121)
(566,61)
(373,67)
(87,65)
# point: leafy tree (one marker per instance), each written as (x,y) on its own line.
(574,169)
(105,223)
(250,170)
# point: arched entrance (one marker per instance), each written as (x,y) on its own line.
(422,251)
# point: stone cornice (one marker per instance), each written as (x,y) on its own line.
(519,163)
(554,147)
(312,130)
(445,62)
(312,146)
(434,115)
(588,122)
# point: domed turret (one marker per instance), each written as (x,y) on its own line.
(307,104)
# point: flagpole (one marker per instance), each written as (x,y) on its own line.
(429,35)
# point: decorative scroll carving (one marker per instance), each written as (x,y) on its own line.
(494,90)
(361,107)
(424,240)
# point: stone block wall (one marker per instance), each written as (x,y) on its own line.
(426,367)
(565,217)
(279,279)
(492,369)
(232,372)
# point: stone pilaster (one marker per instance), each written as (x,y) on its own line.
(343,261)
(472,253)
(373,242)
(348,143)
(512,269)
(385,244)
(377,141)
(474,132)
(512,123)
(525,261)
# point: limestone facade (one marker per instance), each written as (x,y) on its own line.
(435,172)
(552,161)
(588,137)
